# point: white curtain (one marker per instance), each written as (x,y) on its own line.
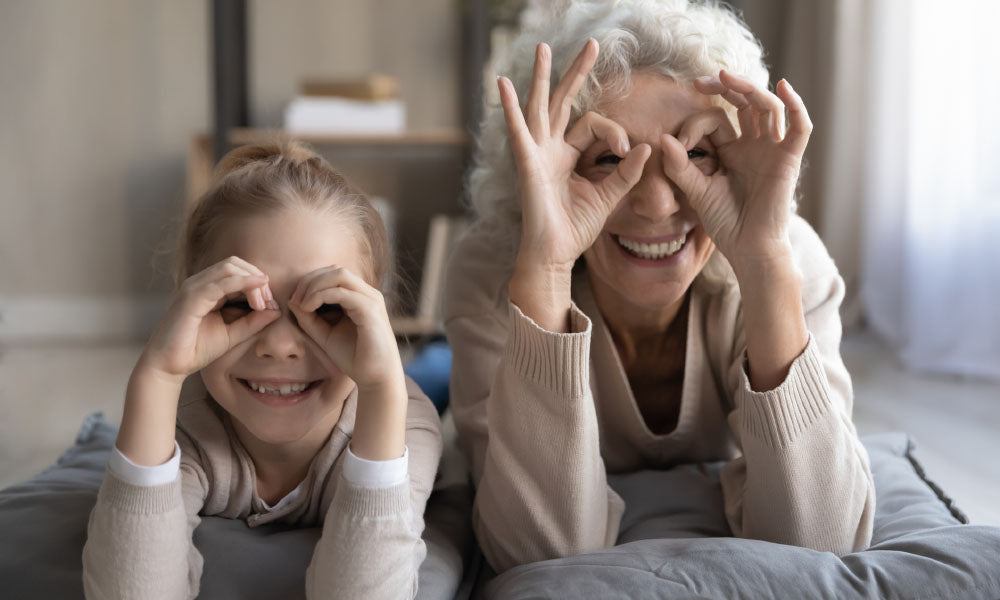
(930,282)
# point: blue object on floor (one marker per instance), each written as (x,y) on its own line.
(431,369)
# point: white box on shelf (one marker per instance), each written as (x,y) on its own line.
(317,114)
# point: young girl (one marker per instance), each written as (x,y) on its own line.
(302,414)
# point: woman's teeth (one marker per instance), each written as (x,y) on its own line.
(652,251)
(285,389)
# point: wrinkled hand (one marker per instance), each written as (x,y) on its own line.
(745,205)
(213,311)
(348,319)
(562,212)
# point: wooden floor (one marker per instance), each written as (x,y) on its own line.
(47,390)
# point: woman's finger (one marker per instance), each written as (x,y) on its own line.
(799,124)
(713,123)
(769,109)
(679,168)
(613,187)
(537,109)
(521,142)
(593,127)
(569,85)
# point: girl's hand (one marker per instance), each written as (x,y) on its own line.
(562,213)
(347,318)
(745,205)
(214,310)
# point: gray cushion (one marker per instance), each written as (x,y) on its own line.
(43,526)
(671,546)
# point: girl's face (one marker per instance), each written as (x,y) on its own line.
(285,245)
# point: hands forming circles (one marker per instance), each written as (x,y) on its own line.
(744,205)
(224,305)
(562,212)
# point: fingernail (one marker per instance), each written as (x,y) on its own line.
(683,140)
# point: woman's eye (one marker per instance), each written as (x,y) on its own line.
(331,313)
(608,159)
(694,153)
(234,309)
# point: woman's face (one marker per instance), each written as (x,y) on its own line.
(652,246)
(257,380)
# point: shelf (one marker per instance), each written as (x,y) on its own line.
(419,137)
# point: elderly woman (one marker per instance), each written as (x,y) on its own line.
(639,293)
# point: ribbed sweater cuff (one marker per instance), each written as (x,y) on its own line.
(559,362)
(140,499)
(360,501)
(779,416)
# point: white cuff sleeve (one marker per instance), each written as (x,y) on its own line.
(376,473)
(129,472)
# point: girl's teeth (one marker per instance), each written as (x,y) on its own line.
(652,251)
(284,389)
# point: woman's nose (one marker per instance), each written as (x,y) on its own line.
(655,196)
(281,339)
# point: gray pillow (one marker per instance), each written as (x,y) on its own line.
(43,526)
(672,547)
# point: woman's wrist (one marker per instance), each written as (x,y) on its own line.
(543,293)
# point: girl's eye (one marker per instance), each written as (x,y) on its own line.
(234,309)
(331,313)
(608,159)
(695,153)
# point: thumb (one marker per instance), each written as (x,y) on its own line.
(679,168)
(629,170)
(241,329)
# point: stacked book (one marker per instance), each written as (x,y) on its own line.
(368,106)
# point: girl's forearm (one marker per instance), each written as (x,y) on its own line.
(773,318)
(149,418)
(380,425)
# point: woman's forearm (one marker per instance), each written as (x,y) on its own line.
(773,318)
(149,418)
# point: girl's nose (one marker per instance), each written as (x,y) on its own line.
(655,197)
(281,339)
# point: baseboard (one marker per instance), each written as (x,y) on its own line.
(42,318)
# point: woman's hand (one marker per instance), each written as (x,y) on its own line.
(745,205)
(348,319)
(562,213)
(214,310)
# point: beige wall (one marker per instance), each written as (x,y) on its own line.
(98,98)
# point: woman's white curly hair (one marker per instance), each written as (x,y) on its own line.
(680,39)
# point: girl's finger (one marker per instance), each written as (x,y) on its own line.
(203,299)
(241,329)
(679,168)
(713,123)
(537,109)
(259,299)
(593,127)
(521,142)
(768,107)
(613,187)
(329,277)
(569,85)
(799,124)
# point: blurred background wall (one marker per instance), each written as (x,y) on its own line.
(98,101)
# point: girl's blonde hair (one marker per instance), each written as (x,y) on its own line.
(266,178)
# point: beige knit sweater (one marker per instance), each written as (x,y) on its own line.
(543,417)
(139,539)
